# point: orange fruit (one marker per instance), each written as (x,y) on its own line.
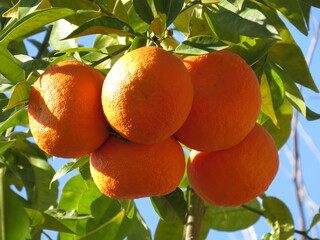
(147,95)
(65,113)
(226,101)
(237,175)
(132,170)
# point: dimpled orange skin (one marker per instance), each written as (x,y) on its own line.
(235,176)
(65,112)
(147,95)
(226,101)
(131,170)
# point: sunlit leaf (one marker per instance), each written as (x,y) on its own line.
(32,22)
(19,96)
(171,207)
(13,117)
(10,66)
(315,220)
(143,9)
(200,45)
(279,133)
(292,11)
(60,30)
(249,21)
(44,221)
(16,220)
(66,215)
(68,167)
(279,218)
(290,58)
(139,230)
(103,25)
(232,218)
(171,8)
(168,231)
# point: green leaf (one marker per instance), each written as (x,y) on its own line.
(66,215)
(252,49)
(19,96)
(139,230)
(292,11)
(5,145)
(290,58)
(44,221)
(171,8)
(314,3)
(197,24)
(13,117)
(120,12)
(199,45)
(249,21)
(10,67)
(279,218)
(315,220)
(267,104)
(103,25)
(137,43)
(171,207)
(168,231)
(60,30)
(16,219)
(33,21)
(109,228)
(136,22)
(86,199)
(144,11)
(68,167)
(281,133)
(232,218)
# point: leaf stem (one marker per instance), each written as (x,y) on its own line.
(196,212)
(110,56)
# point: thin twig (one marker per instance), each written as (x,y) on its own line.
(45,42)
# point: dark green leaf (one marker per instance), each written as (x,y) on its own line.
(34,64)
(129,207)
(136,22)
(292,11)
(232,218)
(139,230)
(290,58)
(279,217)
(86,199)
(137,43)
(249,21)
(19,96)
(33,21)
(44,221)
(13,117)
(171,207)
(10,66)
(171,8)
(27,6)
(315,220)
(314,3)
(16,220)
(168,231)
(281,133)
(252,49)
(144,11)
(5,145)
(74,164)
(200,45)
(103,25)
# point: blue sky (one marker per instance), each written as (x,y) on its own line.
(282,187)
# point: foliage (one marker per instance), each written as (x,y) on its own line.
(251,28)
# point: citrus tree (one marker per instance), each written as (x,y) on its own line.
(252,29)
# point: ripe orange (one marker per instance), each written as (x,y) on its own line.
(226,101)
(65,112)
(147,95)
(132,170)
(235,176)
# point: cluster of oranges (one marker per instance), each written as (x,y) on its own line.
(132,121)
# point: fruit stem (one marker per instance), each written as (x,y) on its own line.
(196,212)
